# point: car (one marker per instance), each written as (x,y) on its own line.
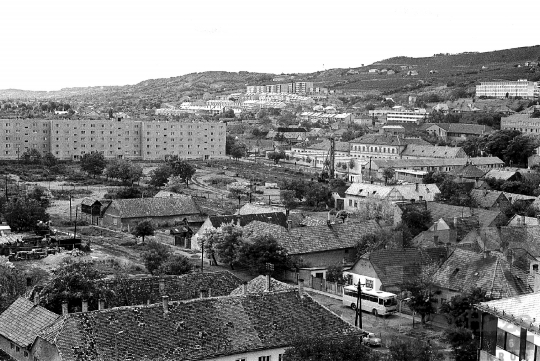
(369,339)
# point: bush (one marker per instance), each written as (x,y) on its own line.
(155,255)
(176,265)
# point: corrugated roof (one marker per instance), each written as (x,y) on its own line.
(23,320)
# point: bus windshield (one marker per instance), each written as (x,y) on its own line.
(390,302)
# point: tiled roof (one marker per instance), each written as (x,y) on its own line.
(251,208)
(433,151)
(396,266)
(369,190)
(500,174)
(200,329)
(140,291)
(523,221)
(155,207)
(483,239)
(261,228)
(379,139)
(278,218)
(469,171)
(487,199)
(525,238)
(258,285)
(441,210)
(426,191)
(513,197)
(435,162)
(521,310)
(23,320)
(169,194)
(325,145)
(325,238)
(463,128)
(89,201)
(465,270)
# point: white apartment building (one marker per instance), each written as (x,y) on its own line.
(505,89)
(405,116)
(134,139)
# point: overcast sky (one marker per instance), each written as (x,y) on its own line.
(53,44)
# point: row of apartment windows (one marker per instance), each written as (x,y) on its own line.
(374,149)
(511,344)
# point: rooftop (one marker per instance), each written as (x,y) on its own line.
(433,151)
(154,207)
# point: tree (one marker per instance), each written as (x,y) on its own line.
(464,346)
(160,175)
(41,195)
(24,213)
(297,185)
(227,243)
(460,312)
(143,229)
(31,156)
(415,221)
(276,156)
(50,160)
(497,142)
(73,282)
(154,256)
(417,350)
(176,265)
(519,149)
(124,170)
(239,150)
(422,297)
(182,169)
(237,189)
(346,347)
(288,198)
(230,142)
(371,241)
(93,163)
(335,274)
(388,173)
(317,193)
(262,249)
(12,283)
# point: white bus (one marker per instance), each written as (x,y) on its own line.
(376,302)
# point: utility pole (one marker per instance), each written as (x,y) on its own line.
(202,255)
(370,180)
(70,218)
(6,188)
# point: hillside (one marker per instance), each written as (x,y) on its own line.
(461,70)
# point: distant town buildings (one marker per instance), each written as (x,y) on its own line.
(68,139)
(523,123)
(505,89)
(299,87)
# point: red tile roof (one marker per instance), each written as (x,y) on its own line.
(154,207)
(23,320)
(199,329)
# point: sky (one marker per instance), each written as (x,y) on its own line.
(54,44)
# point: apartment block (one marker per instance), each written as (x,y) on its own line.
(125,139)
(505,89)
(522,122)
(19,135)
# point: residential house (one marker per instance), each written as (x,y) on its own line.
(436,164)
(250,326)
(381,146)
(469,172)
(492,200)
(503,175)
(363,192)
(456,131)
(465,270)
(214,222)
(510,328)
(124,214)
(20,324)
(518,220)
(91,210)
(413,151)
(389,269)
(521,245)
(482,239)
(486,218)
(445,232)
(322,246)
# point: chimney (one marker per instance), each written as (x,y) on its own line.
(487,254)
(455,221)
(509,199)
(420,198)
(161,286)
(209,292)
(101,304)
(201,293)
(64,308)
(538,219)
(267,284)
(85,306)
(289,224)
(36,299)
(301,288)
(518,220)
(416,186)
(244,288)
(535,273)
(165,301)
(435,226)
(523,220)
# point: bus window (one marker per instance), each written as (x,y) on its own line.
(390,302)
(381,301)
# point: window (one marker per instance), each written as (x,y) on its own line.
(17,348)
(512,344)
(280,357)
(264,358)
(369,283)
(25,353)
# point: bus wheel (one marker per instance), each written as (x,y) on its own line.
(375,313)
(353,306)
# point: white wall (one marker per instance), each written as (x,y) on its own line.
(253,356)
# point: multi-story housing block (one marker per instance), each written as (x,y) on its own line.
(522,122)
(504,89)
(19,135)
(127,138)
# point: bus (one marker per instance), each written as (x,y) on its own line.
(376,302)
